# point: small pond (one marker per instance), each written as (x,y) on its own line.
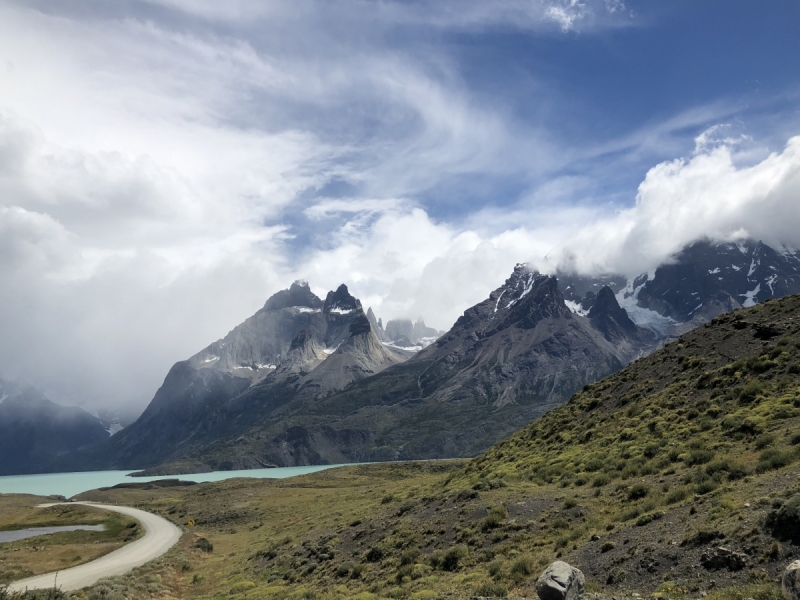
(21,534)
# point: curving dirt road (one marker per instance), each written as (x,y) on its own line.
(159,536)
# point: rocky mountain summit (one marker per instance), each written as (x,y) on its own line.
(703,280)
(297,347)
(505,361)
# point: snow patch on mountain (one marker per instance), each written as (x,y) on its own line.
(576,308)
(628,298)
(114,428)
(750,297)
(497,304)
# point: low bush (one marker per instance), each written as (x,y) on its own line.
(495,518)
(453,557)
(204,545)
(784,521)
(523,567)
(772,459)
(491,590)
(48,594)
(637,491)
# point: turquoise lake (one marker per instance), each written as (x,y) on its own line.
(69,484)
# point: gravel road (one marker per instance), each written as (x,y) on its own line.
(160,535)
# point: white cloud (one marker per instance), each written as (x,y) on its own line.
(153,172)
(709,194)
(405,264)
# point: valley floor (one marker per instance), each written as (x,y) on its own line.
(426,530)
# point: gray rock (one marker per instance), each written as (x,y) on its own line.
(723,558)
(791,581)
(560,581)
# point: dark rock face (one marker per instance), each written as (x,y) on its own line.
(609,318)
(723,558)
(703,280)
(35,431)
(726,276)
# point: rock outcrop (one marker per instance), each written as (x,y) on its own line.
(560,581)
(790,583)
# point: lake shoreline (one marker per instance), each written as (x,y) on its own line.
(71,484)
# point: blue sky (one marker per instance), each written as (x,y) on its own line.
(166,165)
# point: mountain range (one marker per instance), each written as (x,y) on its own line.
(34,431)
(307,381)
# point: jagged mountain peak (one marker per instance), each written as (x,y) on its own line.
(341,301)
(606,304)
(298,295)
(528,297)
(608,317)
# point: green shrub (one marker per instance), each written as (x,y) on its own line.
(649,518)
(701,538)
(204,545)
(677,495)
(784,521)
(453,557)
(343,570)
(616,576)
(765,440)
(749,392)
(637,491)
(409,556)
(607,546)
(772,459)
(705,487)
(699,456)
(491,590)
(524,566)
(375,554)
(733,469)
(495,518)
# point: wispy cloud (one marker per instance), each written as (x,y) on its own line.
(166,165)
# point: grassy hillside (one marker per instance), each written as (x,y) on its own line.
(637,480)
(721,403)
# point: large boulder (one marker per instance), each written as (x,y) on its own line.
(560,581)
(791,581)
